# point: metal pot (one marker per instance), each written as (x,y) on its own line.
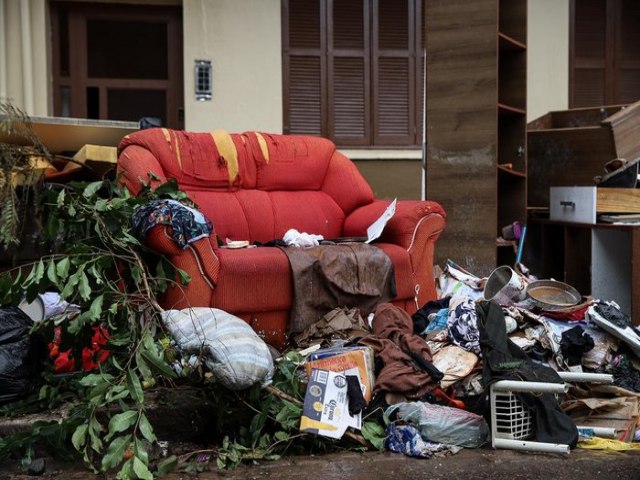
(552,295)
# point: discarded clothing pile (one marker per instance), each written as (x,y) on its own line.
(450,353)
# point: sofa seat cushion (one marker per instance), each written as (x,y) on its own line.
(263,280)
(253,280)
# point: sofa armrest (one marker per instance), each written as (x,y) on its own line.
(412,217)
(205,259)
(135,163)
(415,226)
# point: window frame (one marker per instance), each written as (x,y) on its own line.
(372,139)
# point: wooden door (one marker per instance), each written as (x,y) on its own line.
(117,62)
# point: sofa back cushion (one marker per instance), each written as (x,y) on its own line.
(255,186)
(257,215)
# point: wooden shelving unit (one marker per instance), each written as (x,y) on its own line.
(477,126)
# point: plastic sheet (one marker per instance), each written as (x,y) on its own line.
(440,424)
(17,358)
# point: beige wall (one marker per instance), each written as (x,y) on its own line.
(548,57)
(243,41)
(24,60)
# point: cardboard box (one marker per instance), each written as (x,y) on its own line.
(38,168)
(99,159)
(620,413)
(326,405)
(356,360)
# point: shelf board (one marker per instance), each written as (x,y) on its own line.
(501,242)
(511,171)
(510,44)
(509,110)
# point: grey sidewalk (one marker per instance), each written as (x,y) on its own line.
(469,464)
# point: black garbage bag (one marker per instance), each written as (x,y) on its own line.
(19,356)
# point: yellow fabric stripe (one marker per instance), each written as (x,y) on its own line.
(178,155)
(228,151)
(263,146)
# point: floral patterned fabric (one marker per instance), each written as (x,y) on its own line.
(462,324)
(187,224)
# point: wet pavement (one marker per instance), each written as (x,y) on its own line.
(480,464)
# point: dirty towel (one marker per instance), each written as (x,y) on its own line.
(343,275)
(626,376)
(294,238)
(455,362)
(424,316)
(598,443)
(438,322)
(575,343)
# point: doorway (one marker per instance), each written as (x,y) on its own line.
(117,62)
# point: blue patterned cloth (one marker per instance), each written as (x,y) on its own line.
(439,321)
(188,224)
(406,439)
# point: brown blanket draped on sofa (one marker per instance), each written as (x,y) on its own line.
(343,275)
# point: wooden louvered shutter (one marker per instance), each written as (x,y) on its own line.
(421,42)
(627,60)
(348,58)
(304,38)
(592,62)
(394,81)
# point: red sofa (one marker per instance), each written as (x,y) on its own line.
(255,187)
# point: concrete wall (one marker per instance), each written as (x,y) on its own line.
(24,55)
(548,57)
(242,38)
(391,179)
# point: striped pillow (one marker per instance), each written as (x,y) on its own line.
(234,353)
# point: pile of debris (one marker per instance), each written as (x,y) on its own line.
(546,368)
(545,371)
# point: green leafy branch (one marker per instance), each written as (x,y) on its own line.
(16,163)
(96,263)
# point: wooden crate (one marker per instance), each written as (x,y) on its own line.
(570,147)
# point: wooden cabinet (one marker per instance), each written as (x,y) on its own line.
(570,147)
(476,126)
